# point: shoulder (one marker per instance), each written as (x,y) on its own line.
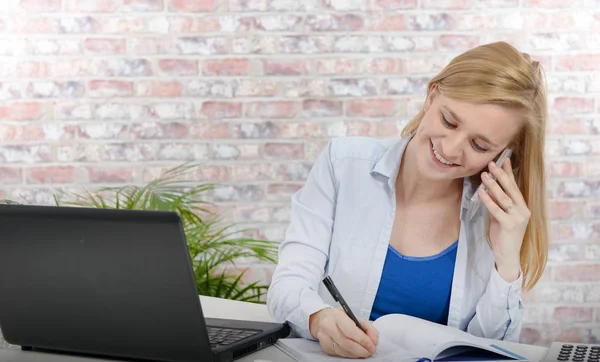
(358,148)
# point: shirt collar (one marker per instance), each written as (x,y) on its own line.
(389,164)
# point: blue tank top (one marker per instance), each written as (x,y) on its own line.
(416,286)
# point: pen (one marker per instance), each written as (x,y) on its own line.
(335,293)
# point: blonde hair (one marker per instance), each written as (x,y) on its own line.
(498,73)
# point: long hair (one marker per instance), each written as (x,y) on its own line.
(497,73)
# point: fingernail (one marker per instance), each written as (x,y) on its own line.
(485,176)
(493,164)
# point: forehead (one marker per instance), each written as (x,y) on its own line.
(497,123)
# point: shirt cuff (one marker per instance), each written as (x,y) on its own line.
(505,295)
(311,303)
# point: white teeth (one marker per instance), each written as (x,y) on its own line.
(440,158)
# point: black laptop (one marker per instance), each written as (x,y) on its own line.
(115,283)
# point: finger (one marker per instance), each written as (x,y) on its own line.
(328,346)
(371,331)
(500,197)
(492,207)
(354,334)
(507,167)
(348,347)
(508,183)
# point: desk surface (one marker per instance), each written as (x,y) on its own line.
(227,309)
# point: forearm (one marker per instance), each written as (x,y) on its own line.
(499,312)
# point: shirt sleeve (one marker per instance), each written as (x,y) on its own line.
(499,312)
(293,294)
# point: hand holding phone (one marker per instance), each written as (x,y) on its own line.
(475,202)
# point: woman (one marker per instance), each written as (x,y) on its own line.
(387,219)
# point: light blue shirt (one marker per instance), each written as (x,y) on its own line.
(341,222)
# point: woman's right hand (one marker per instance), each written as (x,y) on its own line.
(339,336)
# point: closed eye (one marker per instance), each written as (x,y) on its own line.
(474,144)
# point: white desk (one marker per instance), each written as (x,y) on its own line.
(228,309)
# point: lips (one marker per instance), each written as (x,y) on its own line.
(439,159)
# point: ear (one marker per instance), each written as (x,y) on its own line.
(433,92)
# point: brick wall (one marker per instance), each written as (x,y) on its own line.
(108,92)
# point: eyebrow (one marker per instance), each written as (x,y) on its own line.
(457,119)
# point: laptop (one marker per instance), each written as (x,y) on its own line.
(114,283)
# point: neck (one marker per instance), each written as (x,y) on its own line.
(413,188)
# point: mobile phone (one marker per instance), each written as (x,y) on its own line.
(475,202)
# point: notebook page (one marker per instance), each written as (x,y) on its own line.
(421,337)
(303,350)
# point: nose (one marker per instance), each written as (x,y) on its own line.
(453,149)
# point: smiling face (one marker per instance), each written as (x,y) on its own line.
(458,139)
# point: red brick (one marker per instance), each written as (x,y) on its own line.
(281,192)
(10,175)
(192,5)
(548,3)
(118,25)
(284,150)
(577,273)
(110,175)
(50,175)
(210,130)
(105,46)
(565,126)
(446,4)
(73,68)
(304,130)
(226,67)
(457,42)
(151,45)
(582,62)
(248,5)
(574,105)
(39,6)
(22,111)
(72,110)
(335,66)
(50,132)
(559,209)
(381,66)
(159,130)
(220,110)
(335,22)
(570,315)
(389,129)
(322,108)
(143,5)
(110,88)
(386,22)
(98,6)
(284,67)
(27,69)
(373,107)
(159,89)
(32,25)
(276,22)
(178,67)
(355,128)
(181,24)
(273,109)
(396,4)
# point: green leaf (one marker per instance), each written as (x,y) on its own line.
(213,246)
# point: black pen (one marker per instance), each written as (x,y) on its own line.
(335,293)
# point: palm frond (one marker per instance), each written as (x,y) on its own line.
(212,245)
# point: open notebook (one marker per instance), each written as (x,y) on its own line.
(404,338)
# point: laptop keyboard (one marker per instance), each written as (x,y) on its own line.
(225,336)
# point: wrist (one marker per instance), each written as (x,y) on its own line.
(509,271)
(313,322)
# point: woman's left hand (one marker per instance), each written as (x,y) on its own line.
(509,216)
